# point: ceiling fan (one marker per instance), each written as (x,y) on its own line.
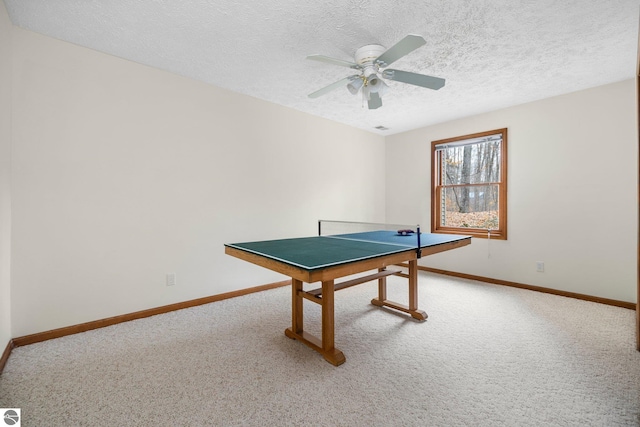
(371,61)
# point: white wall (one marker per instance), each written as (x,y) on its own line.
(123,173)
(5,167)
(572,196)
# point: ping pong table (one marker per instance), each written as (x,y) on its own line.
(327,258)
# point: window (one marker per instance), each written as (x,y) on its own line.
(469,185)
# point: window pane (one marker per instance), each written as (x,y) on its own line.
(471,164)
(470,206)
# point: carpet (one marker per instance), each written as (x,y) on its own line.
(487,355)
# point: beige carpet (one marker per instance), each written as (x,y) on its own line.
(487,356)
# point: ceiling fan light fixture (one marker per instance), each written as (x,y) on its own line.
(376,85)
(355,85)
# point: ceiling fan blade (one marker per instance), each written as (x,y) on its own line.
(333,86)
(333,61)
(429,82)
(400,49)
(374,101)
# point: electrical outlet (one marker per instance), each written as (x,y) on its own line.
(540,266)
(171,279)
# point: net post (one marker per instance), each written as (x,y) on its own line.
(419,250)
(319,227)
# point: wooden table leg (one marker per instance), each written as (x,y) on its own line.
(413,292)
(412,308)
(330,353)
(297,319)
(297,308)
(324,346)
(382,287)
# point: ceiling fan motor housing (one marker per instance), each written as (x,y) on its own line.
(368,53)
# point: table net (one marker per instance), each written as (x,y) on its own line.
(332,228)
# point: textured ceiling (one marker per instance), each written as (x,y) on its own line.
(492,53)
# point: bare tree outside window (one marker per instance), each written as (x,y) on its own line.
(469,184)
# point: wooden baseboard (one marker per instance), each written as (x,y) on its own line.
(83,327)
(5,355)
(623,304)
